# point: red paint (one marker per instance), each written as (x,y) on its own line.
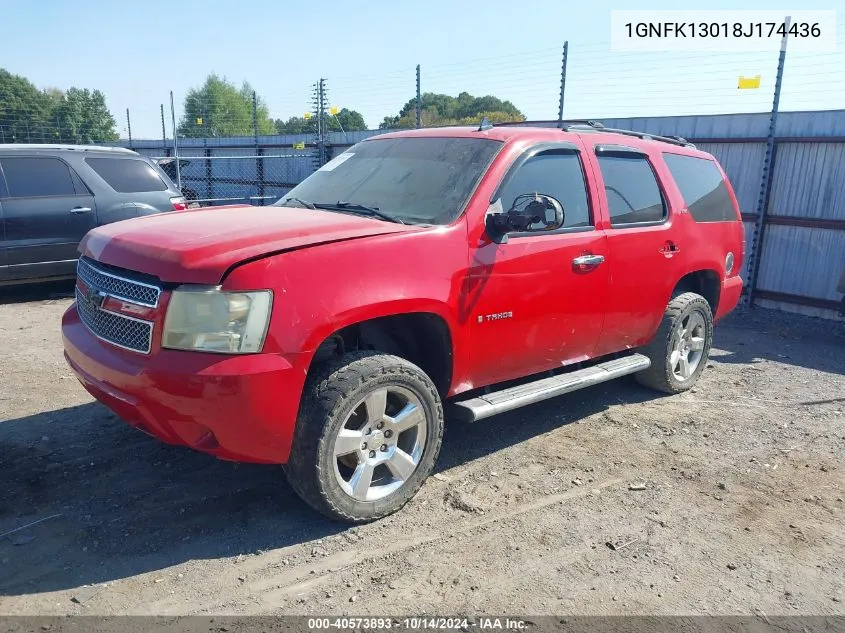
(330,270)
(199,245)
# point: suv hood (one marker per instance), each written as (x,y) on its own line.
(200,245)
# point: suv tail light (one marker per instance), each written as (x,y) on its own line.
(179,203)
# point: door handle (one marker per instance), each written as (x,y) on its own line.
(588,260)
(78,210)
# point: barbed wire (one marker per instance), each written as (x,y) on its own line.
(598,81)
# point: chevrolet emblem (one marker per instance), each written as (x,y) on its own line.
(97,297)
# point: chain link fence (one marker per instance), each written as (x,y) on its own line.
(245,149)
(233,176)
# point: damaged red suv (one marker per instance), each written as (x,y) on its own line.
(480,268)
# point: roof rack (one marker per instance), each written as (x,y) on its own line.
(66,146)
(580,123)
(591,125)
(673,140)
(563,124)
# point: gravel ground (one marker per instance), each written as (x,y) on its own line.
(727,499)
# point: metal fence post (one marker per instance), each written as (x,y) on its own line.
(259,162)
(163,131)
(321,121)
(419,100)
(562,84)
(260,175)
(323,124)
(175,143)
(129,128)
(756,250)
(209,172)
(255,118)
(315,103)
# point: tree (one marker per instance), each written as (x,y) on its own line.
(349,119)
(30,115)
(218,108)
(23,109)
(295,125)
(82,117)
(442,109)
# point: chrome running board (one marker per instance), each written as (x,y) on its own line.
(480,407)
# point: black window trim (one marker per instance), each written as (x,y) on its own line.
(71,170)
(626,152)
(527,155)
(619,151)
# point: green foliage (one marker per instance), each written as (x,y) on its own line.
(442,109)
(83,117)
(350,120)
(296,125)
(218,108)
(29,115)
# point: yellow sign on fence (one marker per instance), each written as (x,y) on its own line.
(199,120)
(300,145)
(748,83)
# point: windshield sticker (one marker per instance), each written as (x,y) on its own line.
(336,161)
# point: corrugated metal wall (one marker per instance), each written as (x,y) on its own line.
(803,251)
(809,181)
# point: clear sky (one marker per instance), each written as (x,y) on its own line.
(137,52)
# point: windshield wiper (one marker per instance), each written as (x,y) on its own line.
(360,208)
(307,205)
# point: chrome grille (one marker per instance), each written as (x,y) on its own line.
(119,287)
(127,332)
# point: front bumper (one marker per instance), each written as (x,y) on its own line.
(240,408)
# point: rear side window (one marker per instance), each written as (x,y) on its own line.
(557,174)
(633,196)
(31,177)
(127,175)
(704,190)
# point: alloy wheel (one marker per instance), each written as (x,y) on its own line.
(380,443)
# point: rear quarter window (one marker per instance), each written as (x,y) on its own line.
(703,188)
(127,175)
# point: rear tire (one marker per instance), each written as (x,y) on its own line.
(368,433)
(681,347)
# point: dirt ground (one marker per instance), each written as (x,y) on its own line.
(539,511)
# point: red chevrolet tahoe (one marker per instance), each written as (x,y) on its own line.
(484,268)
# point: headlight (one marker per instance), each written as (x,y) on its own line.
(207,319)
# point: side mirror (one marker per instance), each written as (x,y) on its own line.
(530,212)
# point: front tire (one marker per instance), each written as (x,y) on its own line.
(367,436)
(681,347)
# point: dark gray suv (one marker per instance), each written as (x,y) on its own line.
(52,195)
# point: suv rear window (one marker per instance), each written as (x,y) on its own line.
(127,175)
(31,177)
(702,186)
